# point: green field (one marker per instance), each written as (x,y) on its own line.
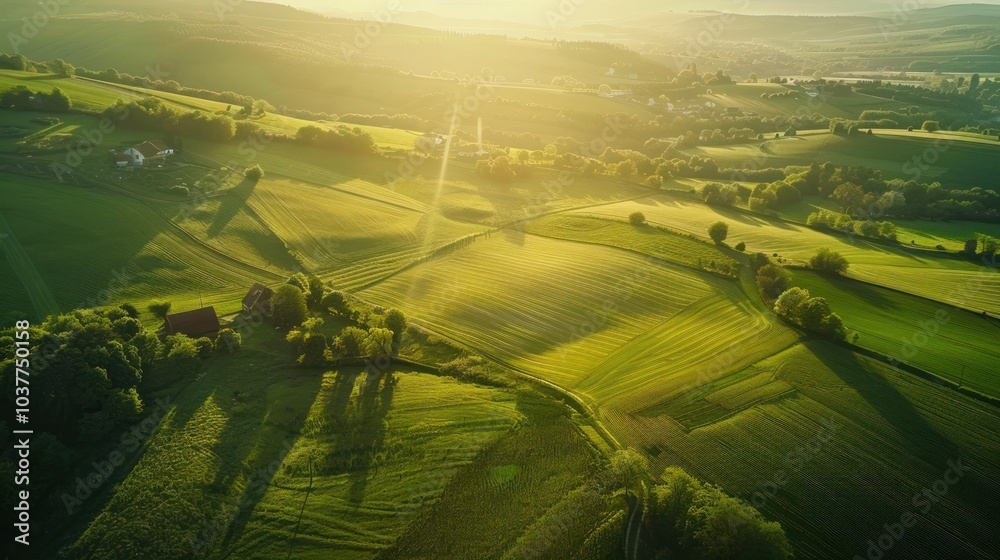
(141,257)
(652,241)
(956,282)
(955,344)
(833,427)
(556,358)
(246,449)
(956,161)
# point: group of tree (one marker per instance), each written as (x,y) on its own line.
(150,113)
(501,169)
(690,519)
(772,279)
(811,313)
(341,138)
(20,98)
(825,219)
(298,304)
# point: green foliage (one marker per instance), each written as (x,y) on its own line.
(130,310)
(772,280)
(475,369)
(395,321)
(314,293)
(183,355)
(699,520)
(931,126)
(637,218)
(628,467)
(160,308)
(20,98)
(741,246)
(378,342)
(718,231)
(350,343)
(850,197)
(314,350)
(826,260)
(254,173)
(228,340)
(335,302)
(204,346)
(340,138)
(987,244)
(810,313)
(719,194)
(288,306)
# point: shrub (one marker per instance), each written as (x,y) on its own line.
(160,308)
(254,173)
(826,260)
(931,126)
(772,280)
(741,246)
(228,340)
(288,306)
(637,218)
(718,231)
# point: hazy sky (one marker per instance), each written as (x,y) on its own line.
(532,11)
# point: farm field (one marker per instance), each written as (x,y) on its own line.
(652,241)
(594,299)
(493,324)
(955,344)
(875,262)
(246,453)
(957,161)
(142,256)
(837,425)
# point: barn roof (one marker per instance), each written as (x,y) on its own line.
(150,149)
(258,294)
(193,323)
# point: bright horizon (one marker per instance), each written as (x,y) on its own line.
(532,11)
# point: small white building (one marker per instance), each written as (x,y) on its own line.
(149,149)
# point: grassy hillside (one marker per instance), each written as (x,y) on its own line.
(255,461)
(958,345)
(142,256)
(817,431)
(880,263)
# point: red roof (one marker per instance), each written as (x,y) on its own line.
(193,323)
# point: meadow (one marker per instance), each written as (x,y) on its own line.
(956,282)
(142,256)
(592,335)
(260,459)
(955,344)
(955,160)
(832,427)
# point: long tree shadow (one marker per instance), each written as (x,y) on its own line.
(970,500)
(354,423)
(373,407)
(896,409)
(232,202)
